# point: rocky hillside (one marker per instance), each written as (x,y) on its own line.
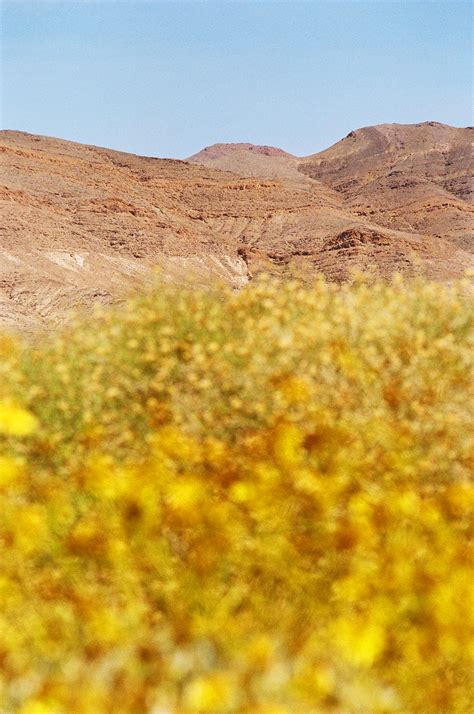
(82,224)
(416,177)
(250,160)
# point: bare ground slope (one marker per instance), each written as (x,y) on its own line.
(81,224)
(412,177)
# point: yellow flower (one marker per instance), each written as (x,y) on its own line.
(295,390)
(16,421)
(360,643)
(242,491)
(287,445)
(210,693)
(10,469)
(130,579)
(324,679)
(31,528)
(37,707)
(185,494)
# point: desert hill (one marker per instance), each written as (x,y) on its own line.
(416,177)
(433,151)
(82,224)
(251,160)
(412,177)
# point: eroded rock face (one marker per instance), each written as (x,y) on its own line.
(373,251)
(355,239)
(411,177)
(81,224)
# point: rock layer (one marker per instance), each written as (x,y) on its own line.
(82,224)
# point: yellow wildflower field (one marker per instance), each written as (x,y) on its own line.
(254,503)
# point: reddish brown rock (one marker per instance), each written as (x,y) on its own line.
(81,224)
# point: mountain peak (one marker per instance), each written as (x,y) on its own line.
(216,151)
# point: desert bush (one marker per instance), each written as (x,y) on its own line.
(253,503)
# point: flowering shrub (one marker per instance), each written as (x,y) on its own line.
(253,503)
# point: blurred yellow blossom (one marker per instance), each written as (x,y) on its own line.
(16,421)
(227,506)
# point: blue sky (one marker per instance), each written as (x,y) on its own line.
(167,78)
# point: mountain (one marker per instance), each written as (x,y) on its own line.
(416,177)
(250,160)
(83,224)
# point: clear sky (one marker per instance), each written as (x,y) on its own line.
(167,78)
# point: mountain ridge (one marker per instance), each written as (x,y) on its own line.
(84,224)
